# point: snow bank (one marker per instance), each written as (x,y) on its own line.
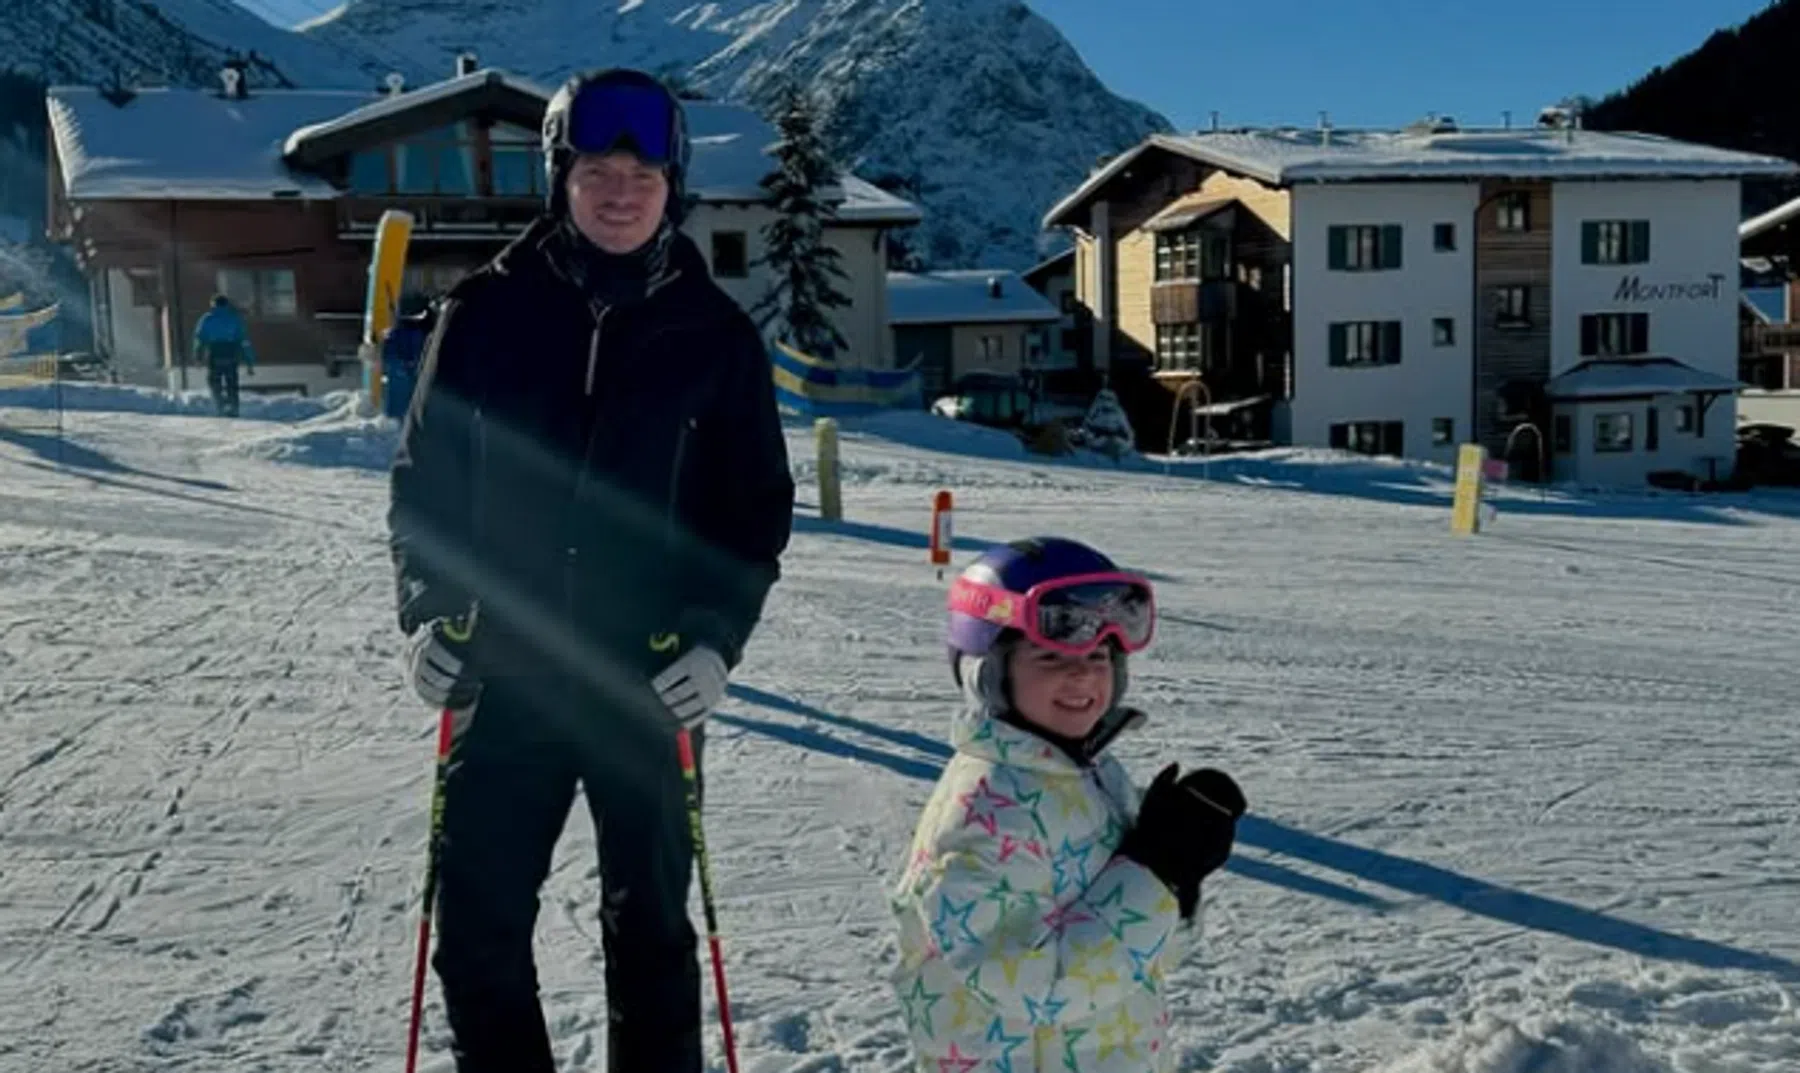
(343,439)
(123,398)
(1542,1044)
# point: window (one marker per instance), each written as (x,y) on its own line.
(518,164)
(1370,437)
(1684,419)
(1443,238)
(1615,242)
(1512,212)
(1369,342)
(1611,334)
(1184,346)
(1363,248)
(437,162)
(1194,254)
(730,255)
(1443,331)
(146,287)
(993,347)
(369,172)
(1512,306)
(260,292)
(1563,435)
(1443,431)
(1612,433)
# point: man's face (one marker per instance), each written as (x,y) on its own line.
(617,200)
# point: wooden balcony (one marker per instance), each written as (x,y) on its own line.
(475,219)
(1194,301)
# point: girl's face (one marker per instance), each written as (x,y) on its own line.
(1065,695)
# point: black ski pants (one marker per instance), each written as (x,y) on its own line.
(222,379)
(510,785)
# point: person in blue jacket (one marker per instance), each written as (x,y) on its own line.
(222,341)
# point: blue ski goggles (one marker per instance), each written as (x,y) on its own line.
(623,115)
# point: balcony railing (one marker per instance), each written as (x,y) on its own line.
(458,216)
(1767,339)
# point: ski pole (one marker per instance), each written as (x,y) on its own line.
(691,775)
(446,734)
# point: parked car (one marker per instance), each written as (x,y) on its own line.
(997,400)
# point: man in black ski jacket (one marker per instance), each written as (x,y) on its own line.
(588,508)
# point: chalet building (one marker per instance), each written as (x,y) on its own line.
(955,323)
(1067,347)
(1402,292)
(1769,357)
(271,196)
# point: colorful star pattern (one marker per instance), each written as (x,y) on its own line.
(981,804)
(956,1061)
(947,936)
(999,1041)
(1025,944)
(1114,914)
(918,1003)
(1070,867)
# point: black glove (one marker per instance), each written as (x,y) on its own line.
(1185,829)
(437,660)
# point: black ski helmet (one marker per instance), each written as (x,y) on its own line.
(611,109)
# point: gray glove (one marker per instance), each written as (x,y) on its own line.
(693,686)
(437,661)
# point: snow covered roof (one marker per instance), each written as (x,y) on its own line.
(965,296)
(1187,210)
(1284,157)
(189,144)
(1052,265)
(864,202)
(379,109)
(1634,378)
(198,144)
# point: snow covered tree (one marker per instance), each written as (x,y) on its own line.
(1106,429)
(803,293)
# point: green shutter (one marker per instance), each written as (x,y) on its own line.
(1390,342)
(1640,242)
(1390,245)
(1338,344)
(1590,242)
(1337,255)
(1639,330)
(1590,335)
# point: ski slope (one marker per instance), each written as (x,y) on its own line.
(1523,803)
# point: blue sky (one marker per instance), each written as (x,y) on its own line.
(1366,62)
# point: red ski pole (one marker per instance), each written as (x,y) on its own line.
(446,733)
(691,775)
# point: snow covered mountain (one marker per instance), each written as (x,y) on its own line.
(178,42)
(980,110)
(977,109)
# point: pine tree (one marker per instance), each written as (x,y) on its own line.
(800,299)
(1106,429)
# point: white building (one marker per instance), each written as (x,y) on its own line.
(1443,285)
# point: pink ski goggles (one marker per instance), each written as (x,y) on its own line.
(1071,615)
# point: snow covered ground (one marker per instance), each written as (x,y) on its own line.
(1524,803)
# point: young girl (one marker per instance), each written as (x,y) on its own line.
(1040,908)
